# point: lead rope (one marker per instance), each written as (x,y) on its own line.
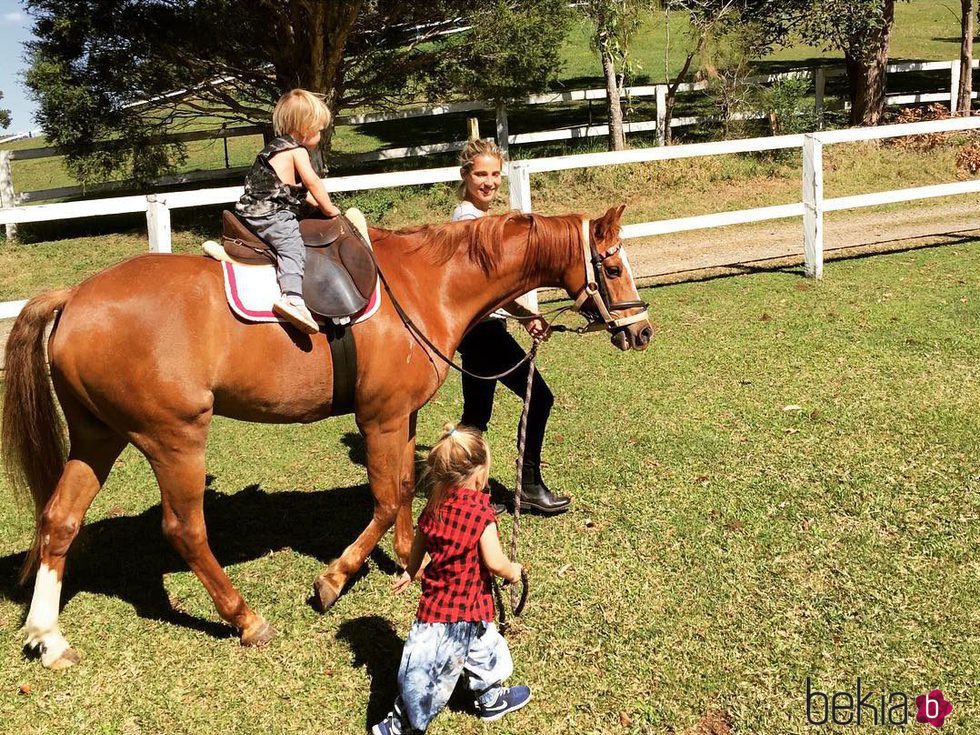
(518,597)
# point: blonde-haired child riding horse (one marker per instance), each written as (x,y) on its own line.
(279,183)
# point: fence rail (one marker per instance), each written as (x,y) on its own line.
(573,132)
(157,207)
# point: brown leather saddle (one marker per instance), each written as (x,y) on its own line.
(340,273)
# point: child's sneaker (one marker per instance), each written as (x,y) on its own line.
(508,699)
(388,726)
(293,309)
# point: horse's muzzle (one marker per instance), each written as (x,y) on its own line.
(634,336)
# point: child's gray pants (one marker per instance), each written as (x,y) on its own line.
(281,231)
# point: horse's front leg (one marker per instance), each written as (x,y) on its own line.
(403,521)
(385,442)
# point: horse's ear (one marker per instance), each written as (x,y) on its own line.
(608,222)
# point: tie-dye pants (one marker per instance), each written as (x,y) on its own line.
(435,656)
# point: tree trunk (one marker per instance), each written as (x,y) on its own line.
(312,56)
(617,141)
(866,59)
(964,100)
(671,97)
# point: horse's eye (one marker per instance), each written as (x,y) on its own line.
(614,271)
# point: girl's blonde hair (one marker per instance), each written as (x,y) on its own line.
(459,453)
(474,148)
(300,111)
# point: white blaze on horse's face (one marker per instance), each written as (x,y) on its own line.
(41,627)
(632,328)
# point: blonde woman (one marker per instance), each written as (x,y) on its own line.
(489,348)
(279,183)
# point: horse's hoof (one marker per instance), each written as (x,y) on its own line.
(324,595)
(260,636)
(69,658)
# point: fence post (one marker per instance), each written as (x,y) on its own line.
(954,85)
(812,206)
(158,224)
(520,199)
(520,187)
(472,128)
(7,190)
(819,89)
(503,129)
(661,113)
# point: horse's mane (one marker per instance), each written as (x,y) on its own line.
(547,243)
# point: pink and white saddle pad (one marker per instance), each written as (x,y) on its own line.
(252,289)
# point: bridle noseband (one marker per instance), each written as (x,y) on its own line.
(596,289)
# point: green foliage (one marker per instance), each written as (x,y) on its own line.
(514,50)
(4,116)
(788,106)
(841,25)
(105,72)
(615,22)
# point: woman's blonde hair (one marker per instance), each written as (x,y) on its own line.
(459,453)
(300,111)
(474,148)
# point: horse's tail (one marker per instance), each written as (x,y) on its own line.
(32,434)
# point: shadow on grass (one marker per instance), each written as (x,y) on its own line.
(126,557)
(378,648)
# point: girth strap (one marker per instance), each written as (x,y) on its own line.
(343,354)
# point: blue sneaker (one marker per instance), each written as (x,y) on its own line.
(388,726)
(508,699)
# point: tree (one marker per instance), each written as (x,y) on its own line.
(516,52)
(964,98)
(707,19)
(615,22)
(859,28)
(112,76)
(4,116)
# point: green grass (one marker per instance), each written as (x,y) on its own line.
(722,547)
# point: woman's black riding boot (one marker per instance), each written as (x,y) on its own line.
(536,496)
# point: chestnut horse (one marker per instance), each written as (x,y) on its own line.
(147,352)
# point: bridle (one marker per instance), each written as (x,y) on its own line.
(596,289)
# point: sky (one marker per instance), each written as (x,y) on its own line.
(15,29)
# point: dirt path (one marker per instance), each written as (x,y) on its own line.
(746,248)
(742,248)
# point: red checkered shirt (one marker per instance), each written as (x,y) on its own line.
(456,585)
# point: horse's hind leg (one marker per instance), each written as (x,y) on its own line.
(94,448)
(181,476)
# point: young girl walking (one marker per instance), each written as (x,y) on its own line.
(456,549)
(279,183)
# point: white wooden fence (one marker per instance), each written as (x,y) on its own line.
(812,207)
(575,132)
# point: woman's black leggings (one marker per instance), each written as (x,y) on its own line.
(489,349)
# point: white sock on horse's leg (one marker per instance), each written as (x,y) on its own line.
(41,627)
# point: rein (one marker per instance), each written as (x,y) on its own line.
(420,335)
